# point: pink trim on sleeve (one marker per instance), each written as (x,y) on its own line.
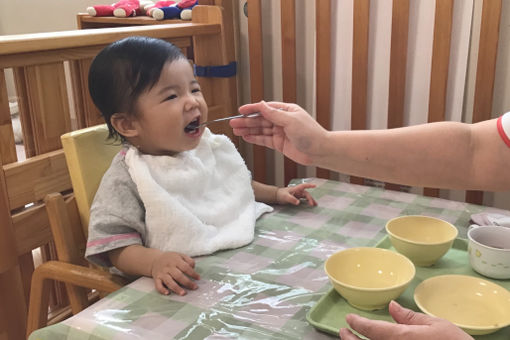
(504,128)
(111,239)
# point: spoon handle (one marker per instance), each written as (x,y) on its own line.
(255,114)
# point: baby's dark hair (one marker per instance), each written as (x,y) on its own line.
(124,70)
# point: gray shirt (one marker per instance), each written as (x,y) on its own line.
(117,215)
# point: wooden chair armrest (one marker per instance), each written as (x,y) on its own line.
(69,274)
(78,275)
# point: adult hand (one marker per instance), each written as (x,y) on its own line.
(410,325)
(172,270)
(284,127)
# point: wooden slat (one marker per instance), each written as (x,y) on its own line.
(439,69)
(24,111)
(13,311)
(70,53)
(323,68)
(289,71)
(229,17)
(31,229)
(398,63)
(69,242)
(360,69)
(256,78)
(48,57)
(485,71)
(23,43)
(440,60)
(7,149)
(87,113)
(398,67)
(30,180)
(86,21)
(217,91)
(26,265)
(58,296)
(48,105)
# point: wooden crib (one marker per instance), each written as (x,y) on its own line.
(398,71)
(50,74)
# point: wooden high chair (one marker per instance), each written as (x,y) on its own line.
(88,155)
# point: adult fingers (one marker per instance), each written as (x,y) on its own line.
(346,334)
(266,141)
(257,131)
(251,122)
(289,107)
(372,329)
(257,107)
(276,112)
(408,317)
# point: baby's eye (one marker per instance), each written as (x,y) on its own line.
(170,97)
(195,90)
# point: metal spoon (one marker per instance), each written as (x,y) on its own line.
(255,114)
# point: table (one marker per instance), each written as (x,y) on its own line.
(265,289)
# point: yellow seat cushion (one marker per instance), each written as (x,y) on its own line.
(88,155)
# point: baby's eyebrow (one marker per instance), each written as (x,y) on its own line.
(166,88)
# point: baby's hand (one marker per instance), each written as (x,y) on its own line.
(294,193)
(172,270)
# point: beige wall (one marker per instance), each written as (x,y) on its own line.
(32,16)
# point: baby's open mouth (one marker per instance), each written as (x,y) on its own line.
(193,126)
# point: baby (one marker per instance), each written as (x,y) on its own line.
(174,190)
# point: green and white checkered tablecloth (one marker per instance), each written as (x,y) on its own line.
(265,289)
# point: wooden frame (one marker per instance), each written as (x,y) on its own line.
(50,72)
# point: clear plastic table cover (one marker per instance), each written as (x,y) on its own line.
(265,289)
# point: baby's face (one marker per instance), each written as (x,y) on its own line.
(175,102)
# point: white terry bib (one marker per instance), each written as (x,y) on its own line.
(199,201)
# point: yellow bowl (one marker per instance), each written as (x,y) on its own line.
(369,278)
(476,305)
(423,239)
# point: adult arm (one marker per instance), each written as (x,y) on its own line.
(448,155)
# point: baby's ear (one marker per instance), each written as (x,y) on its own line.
(124,124)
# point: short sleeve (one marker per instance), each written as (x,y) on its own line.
(117,215)
(504,128)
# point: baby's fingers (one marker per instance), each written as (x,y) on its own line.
(188,260)
(173,286)
(305,186)
(310,199)
(188,270)
(182,279)
(160,287)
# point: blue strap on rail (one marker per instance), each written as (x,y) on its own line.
(222,71)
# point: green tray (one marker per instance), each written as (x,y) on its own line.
(328,315)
